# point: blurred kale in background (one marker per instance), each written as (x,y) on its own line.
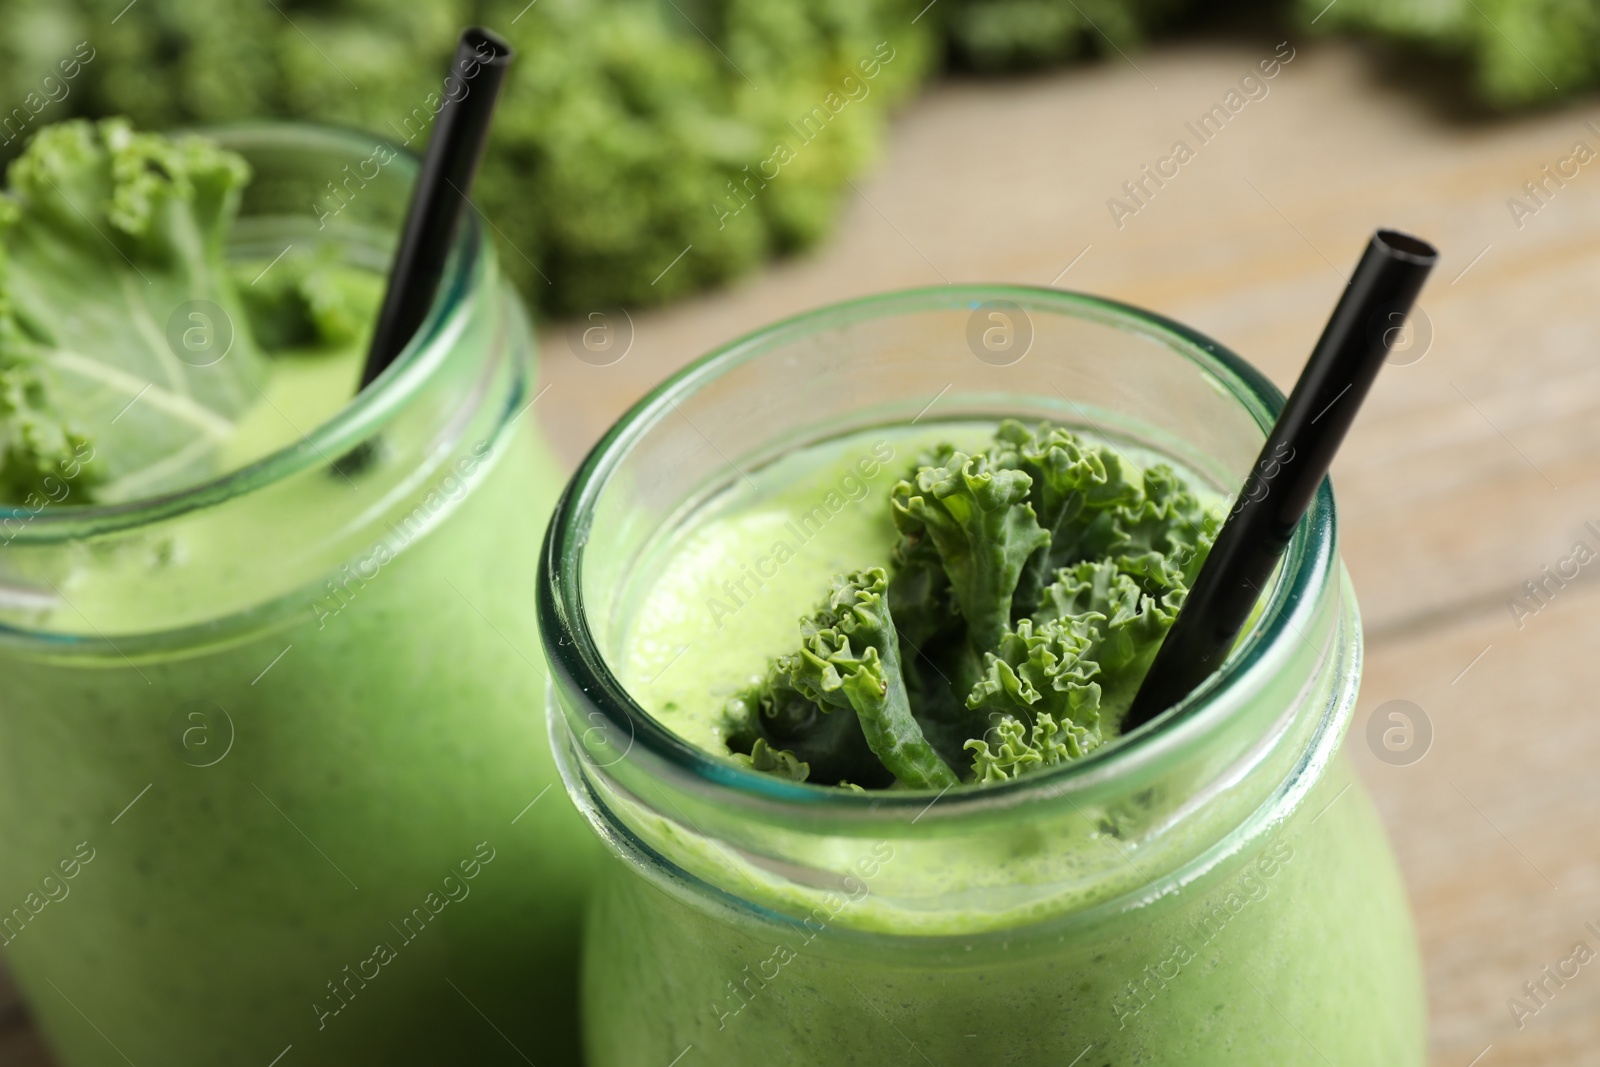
(1516,52)
(1026,34)
(1519,52)
(631,130)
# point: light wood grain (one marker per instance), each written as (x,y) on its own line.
(1466,473)
(1495,826)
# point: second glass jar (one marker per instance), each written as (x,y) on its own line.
(270,785)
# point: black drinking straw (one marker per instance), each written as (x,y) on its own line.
(1291,465)
(439,199)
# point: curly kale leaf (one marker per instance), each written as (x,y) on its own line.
(850,657)
(848,661)
(1165,517)
(122,326)
(920,597)
(1003,678)
(1093,502)
(827,741)
(940,666)
(1017,749)
(977,515)
(43,456)
(1079,660)
(1073,485)
(1518,53)
(624,133)
(308,300)
(1044,668)
(1128,606)
(1096,628)
(775,761)
(1024,34)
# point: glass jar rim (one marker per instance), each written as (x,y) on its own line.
(364,415)
(578,664)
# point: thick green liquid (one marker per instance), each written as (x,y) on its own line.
(1312,964)
(378,866)
(1296,949)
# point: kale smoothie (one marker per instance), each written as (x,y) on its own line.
(985,610)
(844,623)
(269,782)
(1236,968)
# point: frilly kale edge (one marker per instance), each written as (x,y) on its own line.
(107,236)
(114,287)
(1027,594)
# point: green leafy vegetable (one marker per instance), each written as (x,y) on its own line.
(308,299)
(1129,621)
(1044,668)
(1031,585)
(120,330)
(1163,516)
(829,743)
(1022,34)
(977,516)
(1072,487)
(1018,749)
(632,130)
(777,761)
(628,131)
(919,590)
(42,456)
(849,658)
(1519,52)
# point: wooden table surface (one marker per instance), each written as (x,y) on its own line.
(1468,471)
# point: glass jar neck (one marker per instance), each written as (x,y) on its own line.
(974,860)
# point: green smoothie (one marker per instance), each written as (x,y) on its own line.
(1281,940)
(1299,951)
(272,784)
(996,592)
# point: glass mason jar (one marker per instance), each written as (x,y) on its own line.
(268,774)
(1215,889)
